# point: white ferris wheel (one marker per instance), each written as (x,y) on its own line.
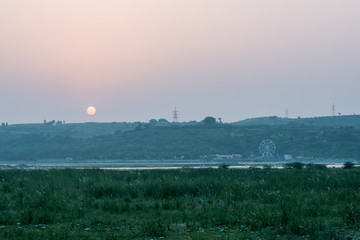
(267,148)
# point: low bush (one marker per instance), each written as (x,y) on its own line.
(316,166)
(224,166)
(295,165)
(348,165)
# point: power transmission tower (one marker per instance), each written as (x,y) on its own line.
(175,115)
(333,110)
(287,113)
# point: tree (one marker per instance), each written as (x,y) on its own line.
(139,126)
(295,165)
(209,120)
(224,166)
(163,121)
(153,122)
(348,165)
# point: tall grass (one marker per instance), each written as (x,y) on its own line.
(197,203)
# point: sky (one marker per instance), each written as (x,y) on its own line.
(137,60)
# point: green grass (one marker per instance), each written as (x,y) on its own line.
(180,204)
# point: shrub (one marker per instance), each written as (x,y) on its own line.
(154,228)
(267,166)
(224,166)
(348,165)
(316,166)
(295,165)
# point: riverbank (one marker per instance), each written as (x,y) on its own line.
(160,164)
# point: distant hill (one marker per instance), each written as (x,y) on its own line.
(193,141)
(337,137)
(348,120)
(75,130)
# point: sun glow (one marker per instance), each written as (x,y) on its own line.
(91,110)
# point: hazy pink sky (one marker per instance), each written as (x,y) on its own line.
(136,60)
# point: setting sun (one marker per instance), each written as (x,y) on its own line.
(91,110)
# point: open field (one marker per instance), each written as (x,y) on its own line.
(180,204)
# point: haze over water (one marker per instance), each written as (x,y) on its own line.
(136,60)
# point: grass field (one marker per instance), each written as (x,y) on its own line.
(180,204)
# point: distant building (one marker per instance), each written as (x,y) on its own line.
(53,122)
(49,123)
(286,157)
(228,157)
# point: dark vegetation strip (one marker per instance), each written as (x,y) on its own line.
(189,142)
